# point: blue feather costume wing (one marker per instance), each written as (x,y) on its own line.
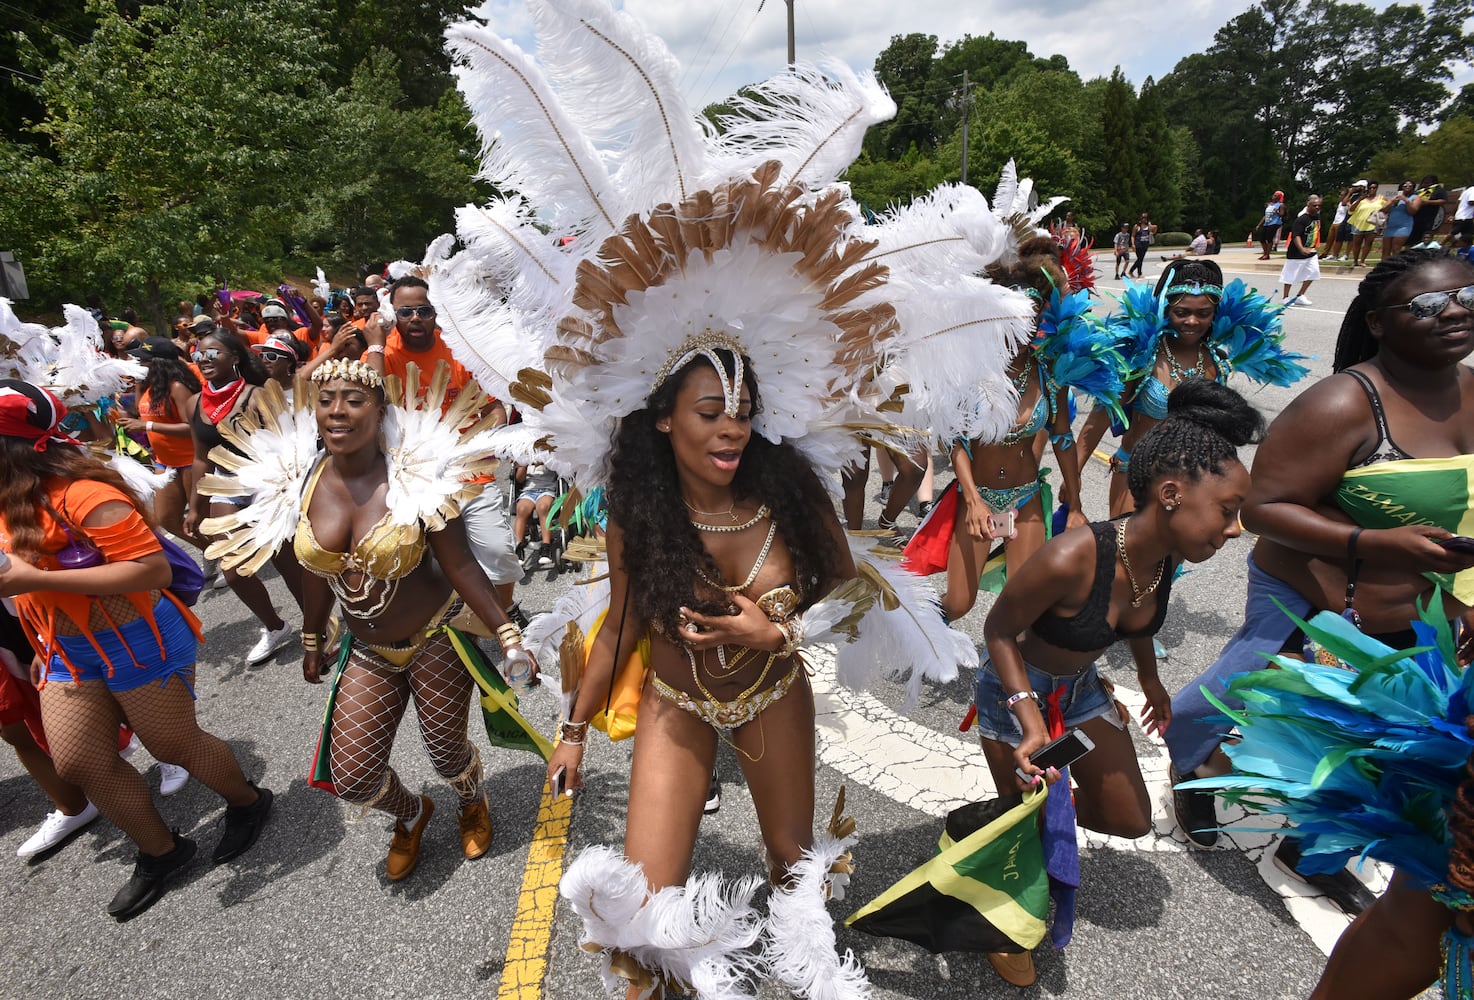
(1136,328)
(1248,333)
(1364,759)
(1077,351)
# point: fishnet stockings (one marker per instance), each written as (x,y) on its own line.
(372,697)
(82,727)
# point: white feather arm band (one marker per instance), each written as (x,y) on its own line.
(886,623)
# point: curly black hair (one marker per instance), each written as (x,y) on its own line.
(163,373)
(1207,423)
(1037,267)
(663,551)
(1355,343)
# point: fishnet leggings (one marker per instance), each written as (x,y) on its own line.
(82,728)
(372,697)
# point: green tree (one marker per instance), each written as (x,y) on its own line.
(905,69)
(170,165)
(1123,192)
(1447,151)
(1161,167)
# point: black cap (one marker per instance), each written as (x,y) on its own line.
(155,347)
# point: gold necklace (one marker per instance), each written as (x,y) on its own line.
(757,566)
(762,512)
(712,513)
(1137,596)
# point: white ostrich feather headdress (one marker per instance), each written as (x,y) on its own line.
(638,238)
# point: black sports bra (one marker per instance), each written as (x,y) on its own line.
(1089,631)
(1386,449)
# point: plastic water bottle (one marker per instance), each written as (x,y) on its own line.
(518,670)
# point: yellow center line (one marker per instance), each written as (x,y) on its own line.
(532,927)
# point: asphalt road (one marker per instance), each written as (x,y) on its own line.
(308,913)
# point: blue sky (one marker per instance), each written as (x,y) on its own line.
(723,44)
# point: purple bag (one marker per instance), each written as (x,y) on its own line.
(188,579)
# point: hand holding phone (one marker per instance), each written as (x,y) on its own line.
(558,783)
(1462,544)
(1059,753)
(1001,526)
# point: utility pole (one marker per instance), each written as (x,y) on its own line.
(791,57)
(966,96)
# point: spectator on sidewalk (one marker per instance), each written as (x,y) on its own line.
(1340,229)
(1269,229)
(1401,208)
(1123,249)
(1428,214)
(1141,240)
(1199,244)
(1364,204)
(1464,216)
(1302,262)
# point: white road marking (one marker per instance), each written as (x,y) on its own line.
(934,772)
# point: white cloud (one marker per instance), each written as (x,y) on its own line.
(723,44)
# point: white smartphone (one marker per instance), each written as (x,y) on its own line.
(1001,525)
(557,781)
(1059,753)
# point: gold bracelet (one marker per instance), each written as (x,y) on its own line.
(509,635)
(312,641)
(573,733)
(793,635)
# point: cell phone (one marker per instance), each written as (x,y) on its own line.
(1059,753)
(1462,544)
(1001,525)
(557,782)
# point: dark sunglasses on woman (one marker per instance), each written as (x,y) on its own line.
(1431,304)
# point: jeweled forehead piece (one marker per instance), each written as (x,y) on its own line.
(349,371)
(706,344)
(1214,292)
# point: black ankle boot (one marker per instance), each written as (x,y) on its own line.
(149,875)
(242,826)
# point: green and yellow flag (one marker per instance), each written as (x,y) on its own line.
(505,726)
(986,889)
(1434,491)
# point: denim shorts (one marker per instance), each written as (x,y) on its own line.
(132,652)
(1085,698)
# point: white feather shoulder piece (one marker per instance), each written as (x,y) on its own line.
(79,371)
(278,446)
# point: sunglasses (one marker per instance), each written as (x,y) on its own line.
(1431,304)
(411,312)
(277,356)
(209,354)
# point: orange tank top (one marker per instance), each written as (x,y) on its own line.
(169,450)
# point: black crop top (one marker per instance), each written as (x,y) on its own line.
(1089,630)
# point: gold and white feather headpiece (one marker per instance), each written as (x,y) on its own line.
(638,237)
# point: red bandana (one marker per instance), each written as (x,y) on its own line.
(217,402)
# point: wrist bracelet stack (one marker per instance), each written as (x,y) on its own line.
(1016,697)
(509,635)
(572,733)
(793,635)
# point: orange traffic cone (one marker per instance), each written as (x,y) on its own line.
(1250,241)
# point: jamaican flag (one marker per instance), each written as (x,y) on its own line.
(1437,491)
(505,726)
(985,890)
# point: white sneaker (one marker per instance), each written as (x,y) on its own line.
(219,582)
(269,643)
(172,777)
(57,826)
(1302,301)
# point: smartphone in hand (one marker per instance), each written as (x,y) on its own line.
(1059,753)
(1462,544)
(1001,525)
(558,782)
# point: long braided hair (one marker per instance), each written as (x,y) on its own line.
(1355,342)
(1207,423)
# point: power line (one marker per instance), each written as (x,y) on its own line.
(743,37)
(716,12)
(736,9)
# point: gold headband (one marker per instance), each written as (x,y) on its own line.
(706,344)
(349,371)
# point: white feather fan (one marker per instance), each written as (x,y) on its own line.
(798,939)
(79,371)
